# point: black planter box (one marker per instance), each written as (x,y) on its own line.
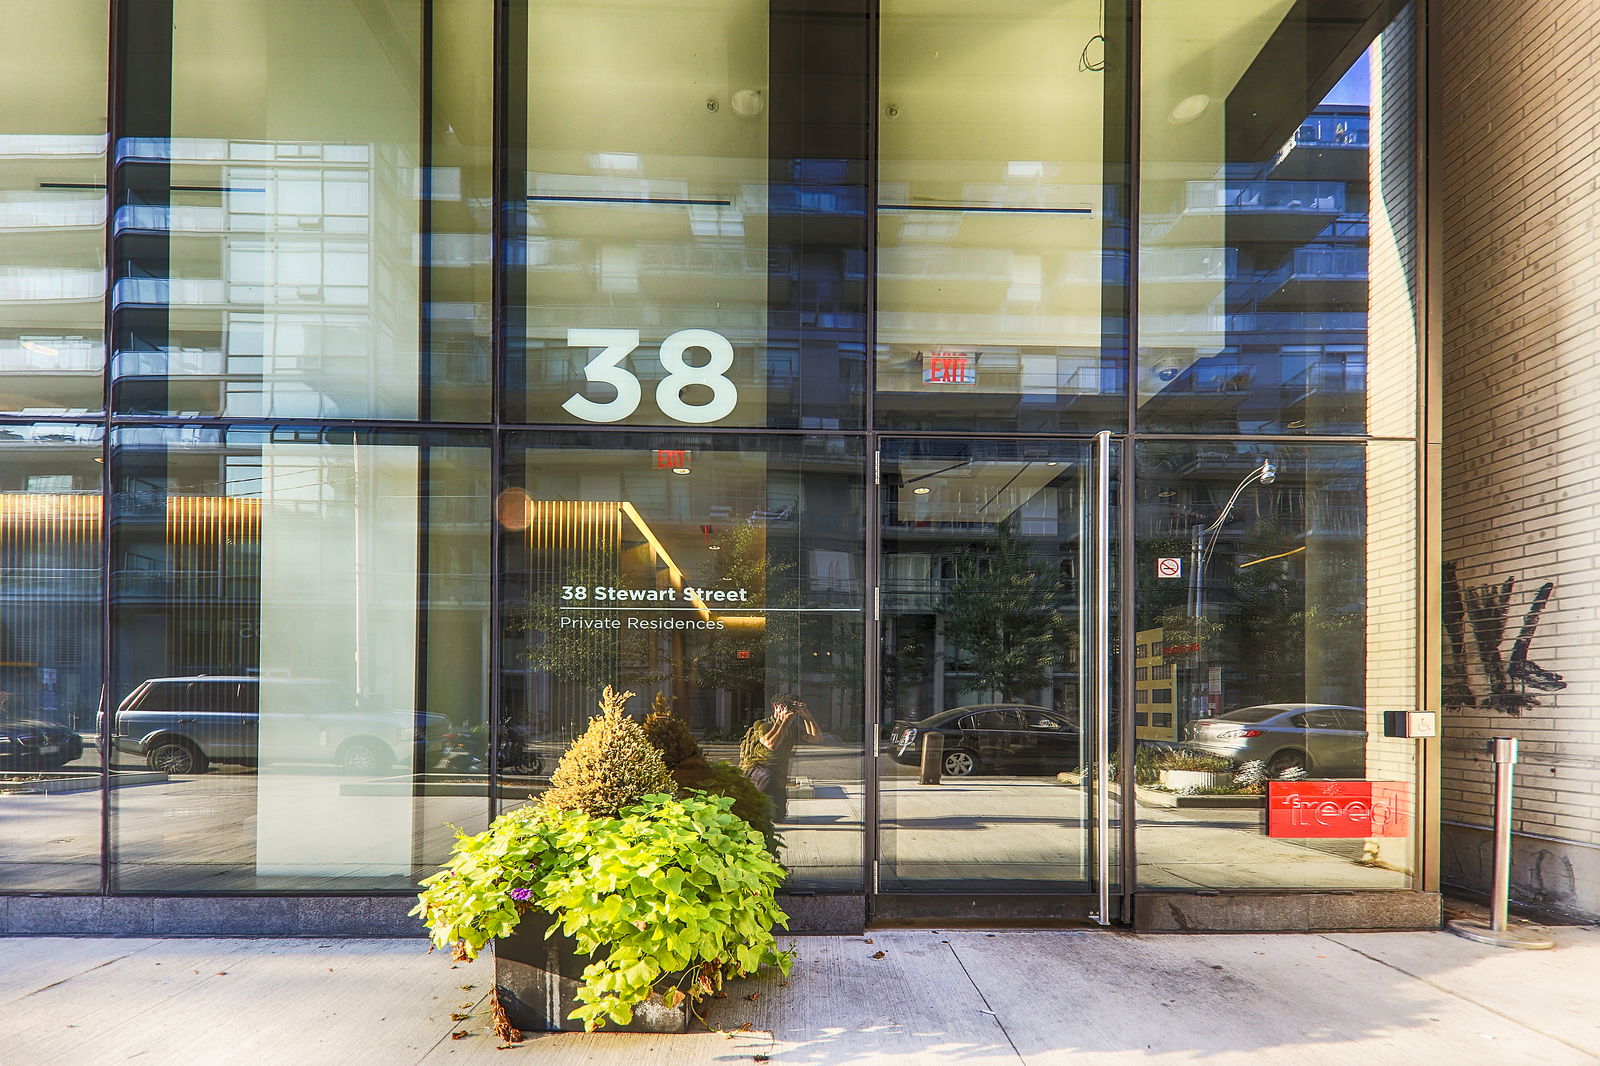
(537,981)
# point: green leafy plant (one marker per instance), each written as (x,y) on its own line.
(689,768)
(1146,764)
(669,896)
(1189,759)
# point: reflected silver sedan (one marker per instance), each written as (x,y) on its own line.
(1323,739)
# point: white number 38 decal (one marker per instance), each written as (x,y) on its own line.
(617,344)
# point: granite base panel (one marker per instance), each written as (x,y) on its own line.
(1284,912)
(320,916)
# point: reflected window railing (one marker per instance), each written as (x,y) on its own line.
(1309,197)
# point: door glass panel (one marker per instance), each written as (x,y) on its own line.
(984,611)
(991,186)
(1280,638)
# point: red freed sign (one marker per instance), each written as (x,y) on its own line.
(1338,809)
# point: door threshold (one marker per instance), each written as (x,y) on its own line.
(983,910)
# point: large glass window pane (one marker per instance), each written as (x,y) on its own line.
(708,575)
(50,776)
(1278,265)
(300,620)
(992,217)
(269,236)
(1280,629)
(458,192)
(52,207)
(688,239)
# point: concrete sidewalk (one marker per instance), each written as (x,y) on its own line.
(970,997)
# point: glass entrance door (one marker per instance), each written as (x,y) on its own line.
(993,684)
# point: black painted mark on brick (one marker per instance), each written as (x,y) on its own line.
(1485,611)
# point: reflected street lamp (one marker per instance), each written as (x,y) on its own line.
(1203,541)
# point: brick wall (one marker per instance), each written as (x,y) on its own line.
(1519,107)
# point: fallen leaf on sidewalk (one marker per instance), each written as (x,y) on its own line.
(752,997)
(879,954)
(458,1034)
(459,1017)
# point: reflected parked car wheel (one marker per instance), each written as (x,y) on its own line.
(176,757)
(1287,759)
(959,763)
(361,756)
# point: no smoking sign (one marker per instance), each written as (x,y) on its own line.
(1169,567)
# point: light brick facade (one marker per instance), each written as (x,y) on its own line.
(1519,103)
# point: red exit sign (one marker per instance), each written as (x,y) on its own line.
(949,368)
(671,458)
(1348,809)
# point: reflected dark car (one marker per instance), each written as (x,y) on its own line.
(181,725)
(28,743)
(992,738)
(1323,739)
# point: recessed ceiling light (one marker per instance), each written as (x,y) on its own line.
(922,490)
(1165,493)
(713,547)
(680,470)
(1189,108)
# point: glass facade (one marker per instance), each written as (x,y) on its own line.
(1032,392)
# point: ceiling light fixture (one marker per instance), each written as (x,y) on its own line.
(680,470)
(1189,108)
(921,490)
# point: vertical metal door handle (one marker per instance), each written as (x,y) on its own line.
(1100,672)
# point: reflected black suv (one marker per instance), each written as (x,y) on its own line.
(28,743)
(181,725)
(992,738)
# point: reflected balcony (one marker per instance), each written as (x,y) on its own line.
(1186,274)
(1326,148)
(1319,277)
(1290,211)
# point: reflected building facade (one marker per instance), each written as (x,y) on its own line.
(366,406)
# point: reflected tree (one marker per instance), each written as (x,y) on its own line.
(1003,619)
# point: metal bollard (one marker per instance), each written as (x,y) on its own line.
(1497,930)
(932,757)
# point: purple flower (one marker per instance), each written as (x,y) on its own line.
(522,893)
